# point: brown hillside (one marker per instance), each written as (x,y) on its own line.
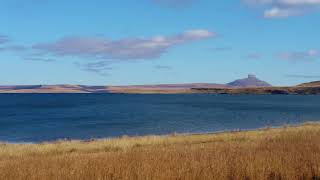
(310,84)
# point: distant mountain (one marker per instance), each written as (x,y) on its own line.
(250,81)
(310,84)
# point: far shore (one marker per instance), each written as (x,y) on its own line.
(309,89)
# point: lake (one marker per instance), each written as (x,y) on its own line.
(48,117)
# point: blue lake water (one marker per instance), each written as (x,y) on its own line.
(48,117)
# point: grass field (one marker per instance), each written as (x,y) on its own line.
(281,153)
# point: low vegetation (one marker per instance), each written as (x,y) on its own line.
(298,90)
(280,153)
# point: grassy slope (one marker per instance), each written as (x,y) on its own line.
(286,153)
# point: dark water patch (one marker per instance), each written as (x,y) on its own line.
(47,117)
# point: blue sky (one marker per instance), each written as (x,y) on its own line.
(128,42)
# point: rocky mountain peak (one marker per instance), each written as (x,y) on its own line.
(250,81)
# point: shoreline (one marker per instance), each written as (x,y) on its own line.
(292,125)
(209,133)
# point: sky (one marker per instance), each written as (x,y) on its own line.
(129,42)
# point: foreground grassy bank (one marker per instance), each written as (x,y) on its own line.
(282,153)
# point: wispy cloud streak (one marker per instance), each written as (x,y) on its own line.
(253,56)
(285,8)
(4,39)
(100,68)
(104,50)
(162,67)
(174,3)
(124,49)
(310,54)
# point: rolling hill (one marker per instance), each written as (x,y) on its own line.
(310,84)
(249,85)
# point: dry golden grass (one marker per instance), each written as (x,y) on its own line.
(282,153)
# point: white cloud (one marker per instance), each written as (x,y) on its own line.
(285,8)
(105,50)
(301,55)
(283,2)
(298,2)
(281,13)
(130,48)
